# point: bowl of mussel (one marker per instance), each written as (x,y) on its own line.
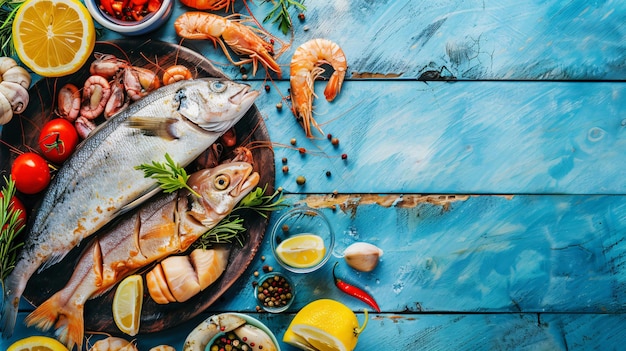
(130,17)
(241,332)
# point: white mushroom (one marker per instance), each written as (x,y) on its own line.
(16,94)
(17,74)
(6,111)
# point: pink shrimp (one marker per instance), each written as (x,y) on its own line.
(140,81)
(96,93)
(68,102)
(107,65)
(228,31)
(118,100)
(305,68)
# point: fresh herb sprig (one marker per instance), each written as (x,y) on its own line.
(170,175)
(10,227)
(8,8)
(231,228)
(280,13)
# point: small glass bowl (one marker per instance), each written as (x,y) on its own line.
(302,220)
(149,23)
(289,295)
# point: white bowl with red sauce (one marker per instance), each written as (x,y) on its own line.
(144,18)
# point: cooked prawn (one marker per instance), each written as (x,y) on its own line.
(212,5)
(175,73)
(228,31)
(305,68)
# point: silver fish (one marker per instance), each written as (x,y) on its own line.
(100,181)
(167,224)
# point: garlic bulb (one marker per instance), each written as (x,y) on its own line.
(362,256)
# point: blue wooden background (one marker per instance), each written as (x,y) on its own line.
(498,195)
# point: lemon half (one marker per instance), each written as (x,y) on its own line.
(37,343)
(127,304)
(53,38)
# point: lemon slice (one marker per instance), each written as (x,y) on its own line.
(37,343)
(302,251)
(323,325)
(127,304)
(54,38)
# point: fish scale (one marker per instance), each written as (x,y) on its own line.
(99,181)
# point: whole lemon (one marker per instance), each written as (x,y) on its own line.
(325,325)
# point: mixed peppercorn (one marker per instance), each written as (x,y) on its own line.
(274,292)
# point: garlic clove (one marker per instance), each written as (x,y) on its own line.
(362,256)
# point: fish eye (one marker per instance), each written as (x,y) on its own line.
(218,86)
(221,182)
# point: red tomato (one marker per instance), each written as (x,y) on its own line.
(17,205)
(58,140)
(30,173)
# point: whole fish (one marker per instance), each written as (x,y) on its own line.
(100,181)
(166,225)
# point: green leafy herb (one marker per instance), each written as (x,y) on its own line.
(280,13)
(231,228)
(170,175)
(10,227)
(8,8)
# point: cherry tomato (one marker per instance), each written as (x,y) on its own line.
(58,140)
(30,173)
(17,205)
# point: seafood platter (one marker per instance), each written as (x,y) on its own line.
(21,134)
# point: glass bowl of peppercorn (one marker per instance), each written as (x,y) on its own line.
(130,18)
(274,292)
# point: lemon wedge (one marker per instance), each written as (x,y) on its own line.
(54,38)
(37,343)
(301,251)
(127,304)
(325,325)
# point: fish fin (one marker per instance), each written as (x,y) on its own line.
(138,201)
(67,319)
(54,259)
(155,126)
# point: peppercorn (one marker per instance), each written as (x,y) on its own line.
(267,88)
(344,156)
(300,180)
(328,173)
(279,106)
(274,291)
(334,141)
(301,16)
(284,160)
(285,169)
(293,141)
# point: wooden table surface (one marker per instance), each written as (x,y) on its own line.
(496,192)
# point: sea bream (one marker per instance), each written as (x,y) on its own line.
(167,224)
(100,180)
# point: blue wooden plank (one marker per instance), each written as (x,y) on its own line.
(509,40)
(463,137)
(437,332)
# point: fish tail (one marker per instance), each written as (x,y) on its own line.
(66,318)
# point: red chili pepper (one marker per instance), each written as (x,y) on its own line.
(107,5)
(355,291)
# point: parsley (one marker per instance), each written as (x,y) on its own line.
(280,13)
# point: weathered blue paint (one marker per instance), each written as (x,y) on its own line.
(525,248)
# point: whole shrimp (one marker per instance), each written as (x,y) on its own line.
(228,31)
(305,68)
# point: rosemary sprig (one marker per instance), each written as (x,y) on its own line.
(170,175)
(8,8)
(231,228)
(280,13)
(10,227)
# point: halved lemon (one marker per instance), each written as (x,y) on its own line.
(302,251)
(54,38)
(37,343)
(127,304)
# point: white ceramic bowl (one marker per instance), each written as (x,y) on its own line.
(252,321)
(149,23)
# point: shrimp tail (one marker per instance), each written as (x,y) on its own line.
(66,318)
(333,87)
